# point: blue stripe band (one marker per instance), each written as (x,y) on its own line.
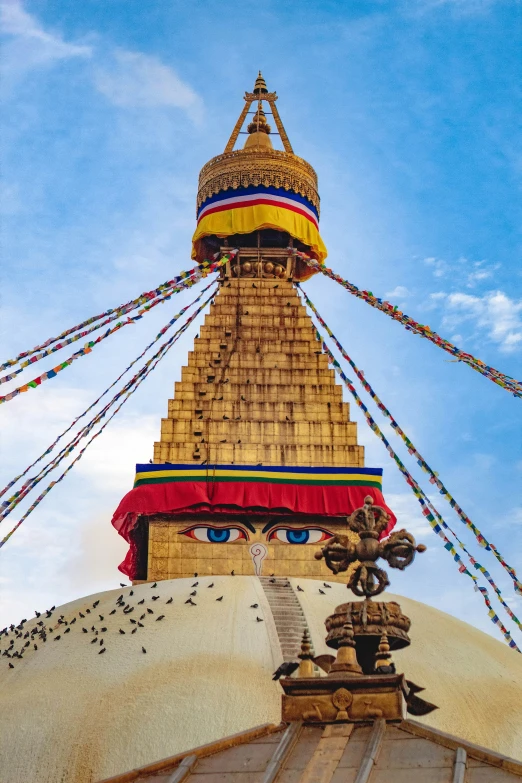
(150,468)
(253,190)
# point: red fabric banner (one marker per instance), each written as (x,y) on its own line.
(226,498)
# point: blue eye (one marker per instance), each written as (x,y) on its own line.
(218,536)
(214,535)
(304,535)
(297,536)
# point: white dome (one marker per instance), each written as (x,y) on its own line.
(68,713)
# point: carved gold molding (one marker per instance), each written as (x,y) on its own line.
(242,168)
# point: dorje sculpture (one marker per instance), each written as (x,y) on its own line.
(361,682)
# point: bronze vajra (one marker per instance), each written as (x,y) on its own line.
(369,522)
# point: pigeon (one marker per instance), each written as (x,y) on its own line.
(56,638)
(325,585)
(300,589)
(85,630)
(122,585)
(141,602)
(161,617)
(155,597)
(134,630)
(113,611)
(35,646)
(94,640)
(254,285)
(220,598)
(121,631)
(271,581)
(193,593)
(195,575)
(101,651)
(190,602)
(232,573)
(95,604)
(322,592)
(140,625)
(225,417)
(11,665)
(143,616)
(286,417)
(195,584)
(150,611)
(285,670)
(143,650)
(131,592)
(211,585)
(67,630)
(101,617)
(239,441)
(259,619)
(244,400)
(154,585)
(254,606)
(170,600)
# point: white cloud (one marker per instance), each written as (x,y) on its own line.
(464,271)
(31,45)
(140,81)
(494,312)
(399,292)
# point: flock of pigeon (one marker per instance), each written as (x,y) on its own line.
(17,641)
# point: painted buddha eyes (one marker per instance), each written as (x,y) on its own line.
(215,535)
(210,534)
(305,535)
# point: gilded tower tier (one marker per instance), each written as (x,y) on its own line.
(257,458)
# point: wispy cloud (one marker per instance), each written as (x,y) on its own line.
(399,292)
(29,44)
(137,80)
(468,273)
(494,313)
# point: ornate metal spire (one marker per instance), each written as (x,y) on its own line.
(260,93)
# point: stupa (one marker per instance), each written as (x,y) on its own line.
(255,512)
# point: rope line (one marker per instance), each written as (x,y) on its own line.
(201,270)
(8,505)
(137,380)
(434,477)
(494,375)
(36,382)
(428,509)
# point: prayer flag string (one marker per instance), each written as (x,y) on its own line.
(126,392)
(8,505)
(429,511)
(194,274)
(90,345)
(494,375)
(434,477)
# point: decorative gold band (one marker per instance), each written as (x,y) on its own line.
(258,167)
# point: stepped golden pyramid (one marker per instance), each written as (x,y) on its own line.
(257,480)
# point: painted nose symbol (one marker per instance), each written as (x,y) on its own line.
(258,552)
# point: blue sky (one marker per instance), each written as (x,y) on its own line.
(408,110)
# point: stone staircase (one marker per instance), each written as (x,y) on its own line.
(288,616)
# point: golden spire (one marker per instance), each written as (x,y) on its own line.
(260,87)
(258,131)
(259,94)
